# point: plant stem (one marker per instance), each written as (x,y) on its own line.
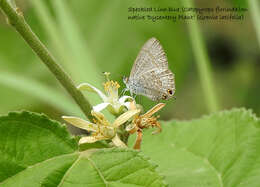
(255,14)
(16,19)
(202,60)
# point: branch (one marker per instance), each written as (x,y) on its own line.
(16,19)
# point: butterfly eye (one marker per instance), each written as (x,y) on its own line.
(169,91)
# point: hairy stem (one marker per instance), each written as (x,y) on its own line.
(203,62)
(16,19)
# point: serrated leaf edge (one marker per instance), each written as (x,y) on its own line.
(152,165)
(90,152)
(41,116)
(218,113)
(38,163)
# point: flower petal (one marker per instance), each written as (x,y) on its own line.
(124,98)
(116,140)
(125,117)
(131,105)
(91,139)
(90,88)
(80,123)
(100,107)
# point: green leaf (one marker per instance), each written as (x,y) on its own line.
(222,149)
(116,167)
(27,139)
(36,151)
(96,145)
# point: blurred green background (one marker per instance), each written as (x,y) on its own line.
(89,37)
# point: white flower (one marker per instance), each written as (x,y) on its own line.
(101,129)
(111,100)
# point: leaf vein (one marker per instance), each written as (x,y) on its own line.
(68,170)
(134,172)
(28,167)
(99,172)
(209,163)
(118,164)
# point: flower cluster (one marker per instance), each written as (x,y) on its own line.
(126,110)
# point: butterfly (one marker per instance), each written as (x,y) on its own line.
(150,75)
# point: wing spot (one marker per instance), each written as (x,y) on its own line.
(164,96)
(169,91)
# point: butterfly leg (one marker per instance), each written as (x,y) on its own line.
(124,91)
(133,95)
